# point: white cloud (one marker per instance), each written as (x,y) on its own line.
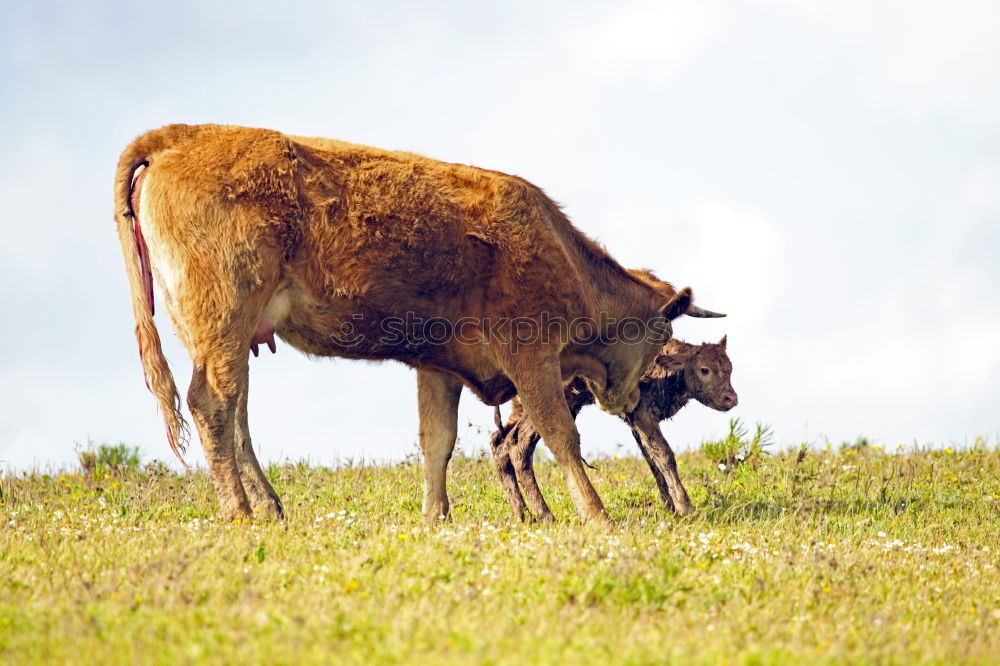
(735,252)
(730,256)
(653,39)
(939,55)
(36,174)
(920,55)
(981,190)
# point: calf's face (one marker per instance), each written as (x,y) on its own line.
(707,373)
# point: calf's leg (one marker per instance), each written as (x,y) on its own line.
(523,457)
(437,397)
(499,445)
(662,463)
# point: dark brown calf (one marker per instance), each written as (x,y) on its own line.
(680,372)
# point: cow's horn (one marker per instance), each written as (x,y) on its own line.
(694,311)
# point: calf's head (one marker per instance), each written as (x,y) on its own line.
(707,371)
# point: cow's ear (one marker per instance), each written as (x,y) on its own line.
(677,305)
(723,341)
(672,364)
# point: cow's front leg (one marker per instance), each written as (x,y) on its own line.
(539,385)
(437,397)
(660,458)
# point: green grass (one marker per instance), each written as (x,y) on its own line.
(832,558)
(738,447)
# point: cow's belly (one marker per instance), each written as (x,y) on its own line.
(350,328)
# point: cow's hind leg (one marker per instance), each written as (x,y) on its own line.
(540,387)
(262,497)
(213,398)
(219,343)
(437,396)
(218,263)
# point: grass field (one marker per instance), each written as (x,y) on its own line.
(851,557)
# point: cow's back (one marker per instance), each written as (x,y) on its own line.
(394,226)
(390,227)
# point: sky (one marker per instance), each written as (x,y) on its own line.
(828,174)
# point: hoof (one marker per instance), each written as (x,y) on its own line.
(238,514)
(599,520)
(436,510)
(545,517)
(269,508)
(682,508)
(687,512)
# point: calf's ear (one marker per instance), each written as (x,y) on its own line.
(677,305)
(671,364)
(723,341)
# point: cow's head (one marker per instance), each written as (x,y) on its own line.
(706,369)
(627,357)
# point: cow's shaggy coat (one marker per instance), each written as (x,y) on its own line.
(251,233)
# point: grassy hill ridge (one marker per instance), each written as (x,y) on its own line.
(855,556)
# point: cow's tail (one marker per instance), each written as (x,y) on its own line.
(157,373)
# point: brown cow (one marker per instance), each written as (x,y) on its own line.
(680,372)
(342,250)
